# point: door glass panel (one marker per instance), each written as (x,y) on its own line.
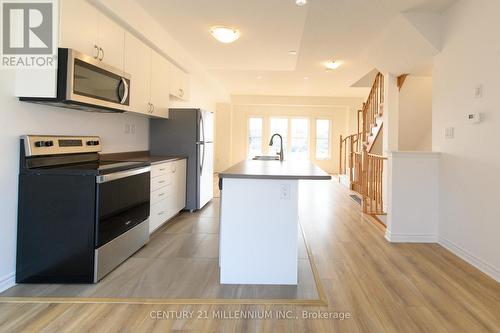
(322,139)
(280,126)
(299,148)
(95,82)
(255,133)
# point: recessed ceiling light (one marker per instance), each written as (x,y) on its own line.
(306,77)
(292,52)
(225,34)
(259,77)
(332,65)
(301,2)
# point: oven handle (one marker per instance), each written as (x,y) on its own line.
(123,174)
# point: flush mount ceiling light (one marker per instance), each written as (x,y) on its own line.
(301,2)
(331,65)
(225,35)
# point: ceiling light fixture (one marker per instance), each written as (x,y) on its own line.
(292,52)
(306,77)
(301,2)
(225,35)
(259,77)
(331,65)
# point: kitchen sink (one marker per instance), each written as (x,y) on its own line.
(267,158)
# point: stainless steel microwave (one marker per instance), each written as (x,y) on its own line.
(87,84)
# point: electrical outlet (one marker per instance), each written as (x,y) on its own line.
(285,191)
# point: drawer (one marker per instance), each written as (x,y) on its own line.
(161,169)
(161,181)
(162,193)
(160,213)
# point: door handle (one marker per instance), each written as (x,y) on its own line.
(101,50)
(124,83)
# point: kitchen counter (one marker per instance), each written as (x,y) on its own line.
(252,169)
(259,221)
(140,156)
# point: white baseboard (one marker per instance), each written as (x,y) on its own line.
(483,266)
(410,238)
(7,281)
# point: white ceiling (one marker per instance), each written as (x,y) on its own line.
(259,62)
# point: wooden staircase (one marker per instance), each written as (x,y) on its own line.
(361,170)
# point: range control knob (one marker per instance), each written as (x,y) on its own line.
(44,144)
(96,143)
(93,143)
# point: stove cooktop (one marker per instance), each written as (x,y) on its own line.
(91,168)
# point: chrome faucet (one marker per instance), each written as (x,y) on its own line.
(281,145)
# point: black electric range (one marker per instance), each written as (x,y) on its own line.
(79,217)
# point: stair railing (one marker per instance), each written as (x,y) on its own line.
(373,107)
(372,180)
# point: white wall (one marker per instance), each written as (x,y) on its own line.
(413,197)
(23,118)
(415,114)
(470,163)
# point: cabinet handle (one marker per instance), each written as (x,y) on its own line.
(181,92)
(152,108)
(149,107)
(101,50)
(162,169)
(161,181)
(161,194)
(96,52)
(161,213)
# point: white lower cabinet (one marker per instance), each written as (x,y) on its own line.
(168,192)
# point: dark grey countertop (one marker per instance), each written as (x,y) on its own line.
(141,156)
(251,169)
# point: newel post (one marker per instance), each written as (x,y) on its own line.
(364,178)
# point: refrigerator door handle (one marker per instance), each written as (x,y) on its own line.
(203,159)
(202,124)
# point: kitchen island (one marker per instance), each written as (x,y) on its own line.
(259,222)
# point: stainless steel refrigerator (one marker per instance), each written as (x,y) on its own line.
(188,132)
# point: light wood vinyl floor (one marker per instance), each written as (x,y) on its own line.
(181,261)
(384,287)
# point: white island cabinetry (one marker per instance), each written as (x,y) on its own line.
(259,221)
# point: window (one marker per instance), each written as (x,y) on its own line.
(299,146)
(322,139)
(280,126)
(255,134)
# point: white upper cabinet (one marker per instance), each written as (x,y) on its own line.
(87,30)
(111,42)
(179,83)
(79,27)
(159,85)
(149,73)
(138,64)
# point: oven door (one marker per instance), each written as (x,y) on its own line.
(122,203)
(92,82)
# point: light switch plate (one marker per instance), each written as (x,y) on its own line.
(449,132)
(478,91)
